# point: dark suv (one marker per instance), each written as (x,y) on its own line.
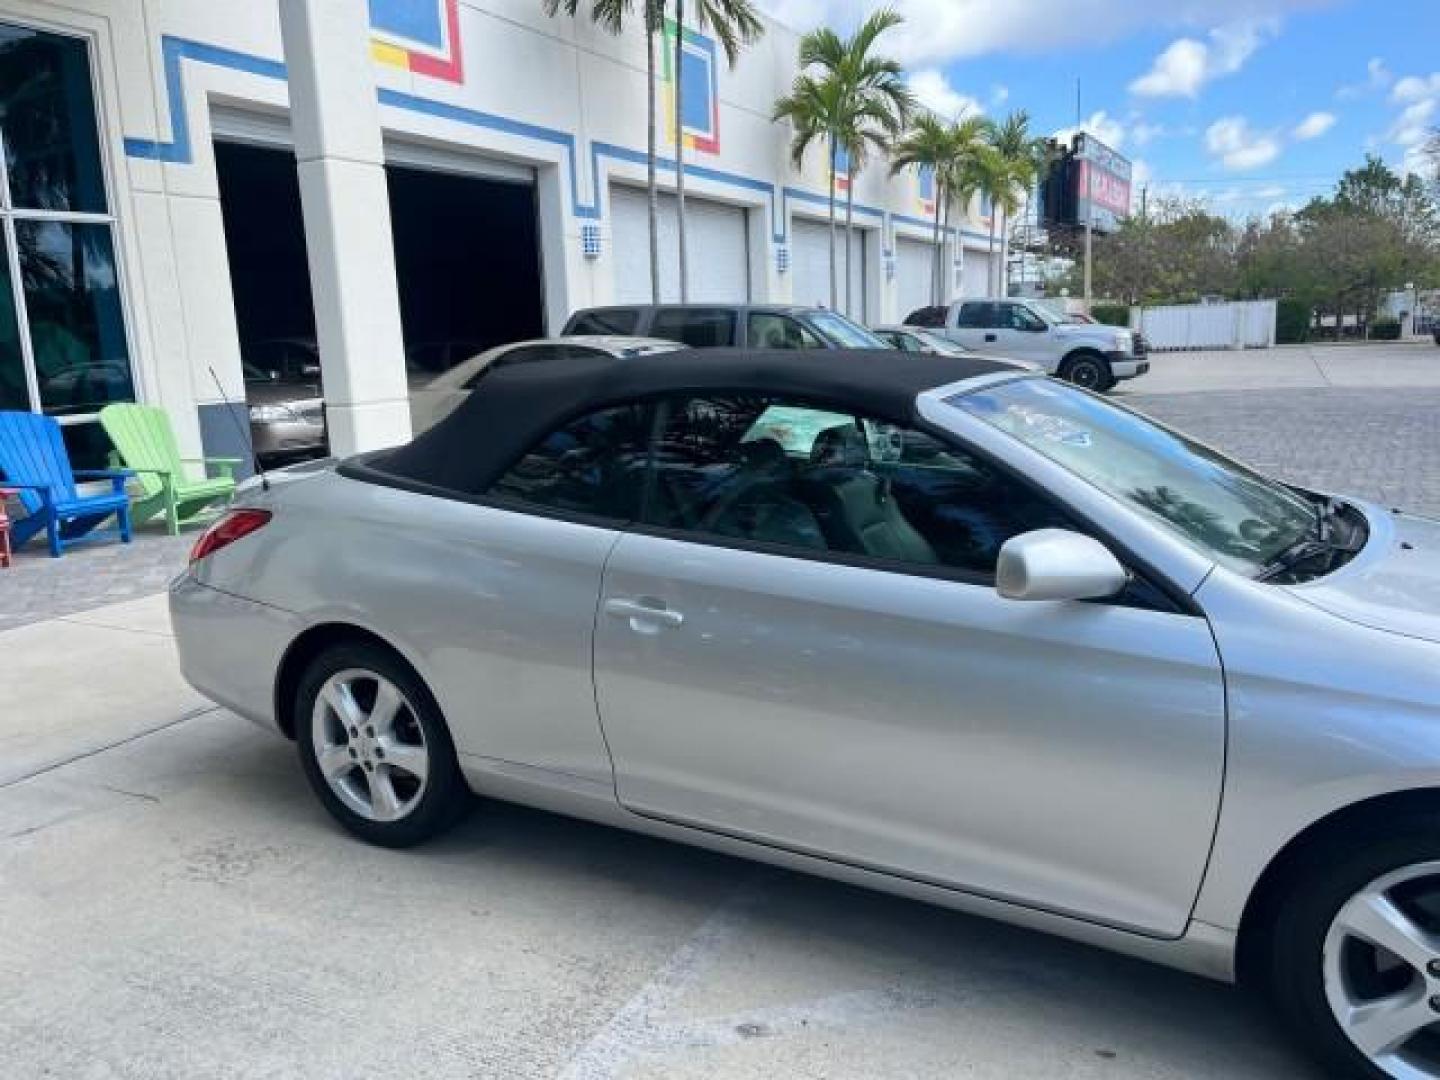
(711,326)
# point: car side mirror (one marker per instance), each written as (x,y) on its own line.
(1057,564)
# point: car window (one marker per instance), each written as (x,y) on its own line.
(840,332)
(771,331)
(1020,317)
(931,317)
(700,328)
(763,470)
(620,321)
(594,465)
(977,315)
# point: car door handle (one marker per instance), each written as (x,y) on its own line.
(644,614)
(989,337)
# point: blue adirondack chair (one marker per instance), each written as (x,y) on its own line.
(34,462)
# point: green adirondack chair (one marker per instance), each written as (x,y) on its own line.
(145,442)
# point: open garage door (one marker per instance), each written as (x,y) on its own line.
(718,236)
(467,255)
(467,261)
(914,274)
(810,266)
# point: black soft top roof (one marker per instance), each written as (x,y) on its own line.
(513,407)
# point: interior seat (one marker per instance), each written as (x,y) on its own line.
(853,505)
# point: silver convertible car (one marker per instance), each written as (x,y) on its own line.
(926,624)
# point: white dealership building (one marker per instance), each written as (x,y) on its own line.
(189,180)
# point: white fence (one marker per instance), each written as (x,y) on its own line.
(1248,324)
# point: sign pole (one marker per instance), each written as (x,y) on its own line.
(1088,233)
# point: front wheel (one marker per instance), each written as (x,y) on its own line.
(1354,958)
(1088,371)
(375,747)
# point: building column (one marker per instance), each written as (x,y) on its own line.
(341,160)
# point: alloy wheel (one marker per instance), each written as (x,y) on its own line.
(1086,374)
(1382,972)
(369,745)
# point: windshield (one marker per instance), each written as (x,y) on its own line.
(1234,515)
(841,332)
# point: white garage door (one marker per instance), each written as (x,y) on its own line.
(719,248)
(914,274)
(810,266)
(974,277)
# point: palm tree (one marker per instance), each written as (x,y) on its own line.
(874,106)
(995,179)
(1025,156)
(950,151)
(610,15)
(813,107)
(735,23)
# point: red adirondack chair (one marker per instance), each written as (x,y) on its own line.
(5,493)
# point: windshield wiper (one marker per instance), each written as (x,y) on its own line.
(1310,547)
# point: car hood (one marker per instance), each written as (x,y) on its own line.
(1394,584)
(1090,332)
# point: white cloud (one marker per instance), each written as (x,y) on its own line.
(999,94)
(1187,64)
(1377,77)
(1412,126)
(934,92)
(1313,126)
(1239,147)
(1419,99)
(1102,125)
(1145,133)
(937,31)
(1416,88)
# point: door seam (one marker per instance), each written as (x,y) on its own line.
(594,682)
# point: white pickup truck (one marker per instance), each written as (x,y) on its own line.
(1088,354)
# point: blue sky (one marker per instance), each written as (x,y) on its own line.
(1251,104)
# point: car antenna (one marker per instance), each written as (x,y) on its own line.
(244,440)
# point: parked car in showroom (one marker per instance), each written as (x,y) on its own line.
(1093,356)
(287,414)
(437,399)
(926,624)
(724,326)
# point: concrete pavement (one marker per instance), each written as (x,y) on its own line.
(1295,367)
(177,905)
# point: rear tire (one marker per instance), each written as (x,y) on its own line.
(1088,370)
(1362,1008)
(375,747)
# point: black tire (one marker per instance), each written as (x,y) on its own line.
(1290,956)
(444,797)
(1088,370)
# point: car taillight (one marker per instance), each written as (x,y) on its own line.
(229,528)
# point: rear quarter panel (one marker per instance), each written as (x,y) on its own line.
(494,609)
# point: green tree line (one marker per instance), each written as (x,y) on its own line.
(1335,257)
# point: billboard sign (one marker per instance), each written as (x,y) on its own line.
(1102,184)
